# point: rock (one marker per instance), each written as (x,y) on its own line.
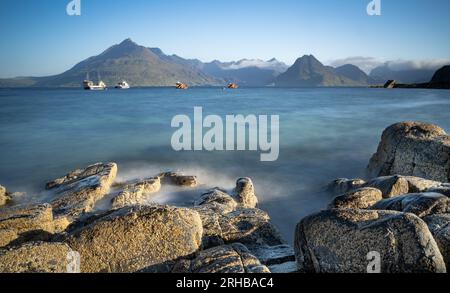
(233,258)
(439,226)
(272,255)
(78,191)
(243,225)
(177,179)
(417,184)
(24,219)
(137,238)
(444,189)
(216,200)
(390,186)
(244,193)
(7,236)
(339,240)
(362,198)
(135,193)
(344,185)
(37,257)
(413,149)
(4,196)
(284,268)
(420,204)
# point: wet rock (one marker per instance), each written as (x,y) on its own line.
(344,185)
(390,186)
(37,257)
(420,204)
(413,149)
(362,198)
(233,258)
(7,236)
(439,226)
(137,238)
(135,193)
(244,193)
(173,178)
(23,219)
(4,196)
(339,240)
(78,191)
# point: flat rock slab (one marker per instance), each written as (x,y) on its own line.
(339,241)
(78,191)
(23,219)
(362,198)
(137,238)
(36,257)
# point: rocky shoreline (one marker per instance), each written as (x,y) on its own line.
(401,211)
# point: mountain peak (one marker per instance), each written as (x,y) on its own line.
(128,41)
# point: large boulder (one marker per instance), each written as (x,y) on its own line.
(136,238)
(340,240)
(420,204)
(24,219)
(36,257)
(439,226)
(77,192)
(362,198)
(233,258)
(135,193)
(413,149)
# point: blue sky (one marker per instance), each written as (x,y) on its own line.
(38,38)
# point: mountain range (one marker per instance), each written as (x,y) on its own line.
(143,66)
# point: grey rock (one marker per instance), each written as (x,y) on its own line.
(233,258)
(339,240)
(344,185)
(78,191)
(137,238)
(390,186)
(413,149)
(362,198)
(216,200)
(439,226)
(417,184)
(35,257)
(420,204)
(173,178)
(135,193)
(272,255)
(244,193)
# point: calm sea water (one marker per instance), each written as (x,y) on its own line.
(324,134)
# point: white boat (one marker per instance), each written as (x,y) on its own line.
(123,85)
(92,86)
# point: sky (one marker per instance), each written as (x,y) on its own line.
(39,38)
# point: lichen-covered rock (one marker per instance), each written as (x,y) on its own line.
(4,196)
(137,238)
(23,219)
(420,204)
(35,257)
(413,149)
(362,198)
(173,178)
(244,193)
(216,200)
(78,191)
(390,186)
(7,236)
(340,240)
(344,185)
(233,258)
(135,193)
(439,226)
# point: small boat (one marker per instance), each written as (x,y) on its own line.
(181,86)
(233,86)
(92,86)
(123,85)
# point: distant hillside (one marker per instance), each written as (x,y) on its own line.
(441,79)
(307,71)
(354,73)
(139,65)
(383,73)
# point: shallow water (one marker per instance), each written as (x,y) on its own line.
(324,134)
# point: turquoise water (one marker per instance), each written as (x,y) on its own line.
(324,134)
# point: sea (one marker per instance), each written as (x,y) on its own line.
(324,134)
